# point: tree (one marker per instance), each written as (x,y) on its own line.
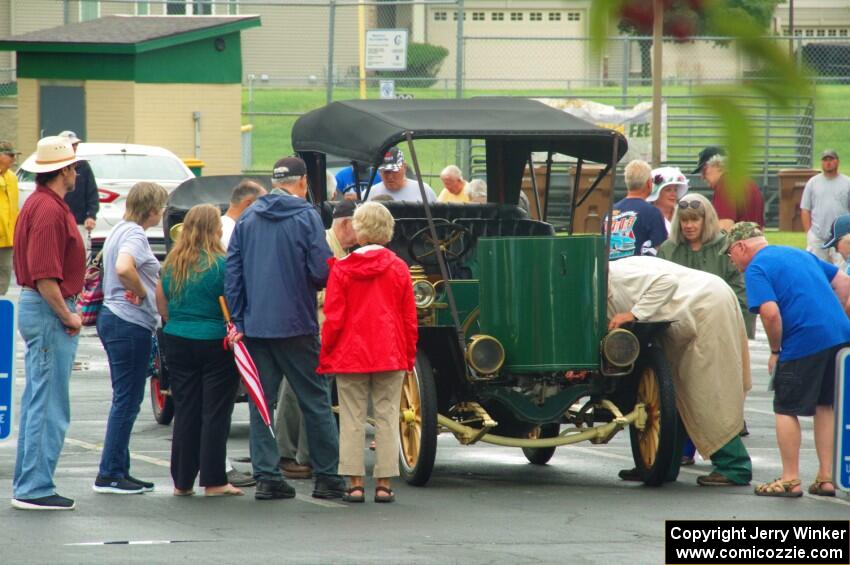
(684,19)
(781,80)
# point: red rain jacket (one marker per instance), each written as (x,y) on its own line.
(370,317)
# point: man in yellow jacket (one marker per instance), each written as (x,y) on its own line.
(8,212)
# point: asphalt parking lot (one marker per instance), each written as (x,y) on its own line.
(484,504)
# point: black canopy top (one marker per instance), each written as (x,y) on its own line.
(364,129)
(209,190)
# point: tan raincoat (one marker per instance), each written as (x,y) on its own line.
(706,345)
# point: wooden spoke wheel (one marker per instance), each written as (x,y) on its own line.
(162,404)
(418,423)
(653,447)
(541,455)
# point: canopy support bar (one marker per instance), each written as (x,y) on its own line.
(534,187)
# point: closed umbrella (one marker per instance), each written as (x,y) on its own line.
(247,370)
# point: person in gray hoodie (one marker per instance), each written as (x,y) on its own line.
(276,262)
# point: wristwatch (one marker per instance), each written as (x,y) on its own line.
(777,352)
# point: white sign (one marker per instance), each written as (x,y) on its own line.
(635,123)
(387,89)
(386,50)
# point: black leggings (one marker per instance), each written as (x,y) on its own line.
(203,380)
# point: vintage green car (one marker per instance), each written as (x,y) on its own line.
(514,347)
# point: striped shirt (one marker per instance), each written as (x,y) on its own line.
(48,244)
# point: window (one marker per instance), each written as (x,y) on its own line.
(477,16)
(516,16)
(454,16)
(89,10)
(842,33)
(810,32)
(798,32)
(554,16)
(497,16)
(535,16)
(573,16)
(821,33)
(175,9)
(142,8)
(233,7)
(832,33)
(202,8)
(440,16)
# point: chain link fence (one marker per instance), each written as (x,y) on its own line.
(308,53)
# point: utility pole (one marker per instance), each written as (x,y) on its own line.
(657,75)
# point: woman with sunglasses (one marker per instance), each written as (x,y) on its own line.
(696,241)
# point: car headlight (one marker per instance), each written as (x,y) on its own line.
(485,354)
(175,232)
(620,347)
(423,294)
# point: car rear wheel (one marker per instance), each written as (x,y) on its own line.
(541,455)
(418,423)
(654,446)
(161,401)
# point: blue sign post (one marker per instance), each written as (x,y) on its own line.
(841,466)
(7,362)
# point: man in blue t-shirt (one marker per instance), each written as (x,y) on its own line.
(637,227)
(802,302)
(346,186)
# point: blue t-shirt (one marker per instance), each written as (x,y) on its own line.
(637,228)
(345,180)
(812,318)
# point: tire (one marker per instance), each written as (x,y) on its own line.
(541,455)
(162,404)
(654,446)
(418,423)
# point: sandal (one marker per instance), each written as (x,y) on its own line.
(780,488)
(354,494)
(389,495)
(816,488)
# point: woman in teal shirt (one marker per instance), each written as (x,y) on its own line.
(203,374)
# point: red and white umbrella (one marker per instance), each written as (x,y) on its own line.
(247,370)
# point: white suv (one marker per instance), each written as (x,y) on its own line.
(117,167)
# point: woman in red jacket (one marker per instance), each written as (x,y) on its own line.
(369,342)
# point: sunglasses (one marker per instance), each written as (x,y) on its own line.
(685,204)
(731,247)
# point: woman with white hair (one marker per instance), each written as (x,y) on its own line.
(369,342)
(669,185)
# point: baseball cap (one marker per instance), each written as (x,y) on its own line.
(70,136)
(7,147)
(288,167)
(392,161)
(741,231)
(344,209)
(840,228)
(829,153)
(706,154)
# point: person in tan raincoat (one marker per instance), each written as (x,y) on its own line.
(707,349)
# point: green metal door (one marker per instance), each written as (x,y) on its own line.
(545,299)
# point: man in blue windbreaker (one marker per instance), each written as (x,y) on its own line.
(276,262)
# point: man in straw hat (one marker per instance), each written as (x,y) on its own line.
(802,302)
(49,265)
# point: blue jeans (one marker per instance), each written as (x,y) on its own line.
(297,358)
(45,405)
(128,347)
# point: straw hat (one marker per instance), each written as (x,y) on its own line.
(51,154)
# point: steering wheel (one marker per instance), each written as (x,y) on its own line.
(452,239)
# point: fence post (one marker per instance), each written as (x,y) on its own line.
(66,12)
(331,24)
(461,146)
(251,94)
(626,69)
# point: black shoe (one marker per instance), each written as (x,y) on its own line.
(116,486)
(52,502)
(273,490)
(146,486)
(631,475)
(329,486)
